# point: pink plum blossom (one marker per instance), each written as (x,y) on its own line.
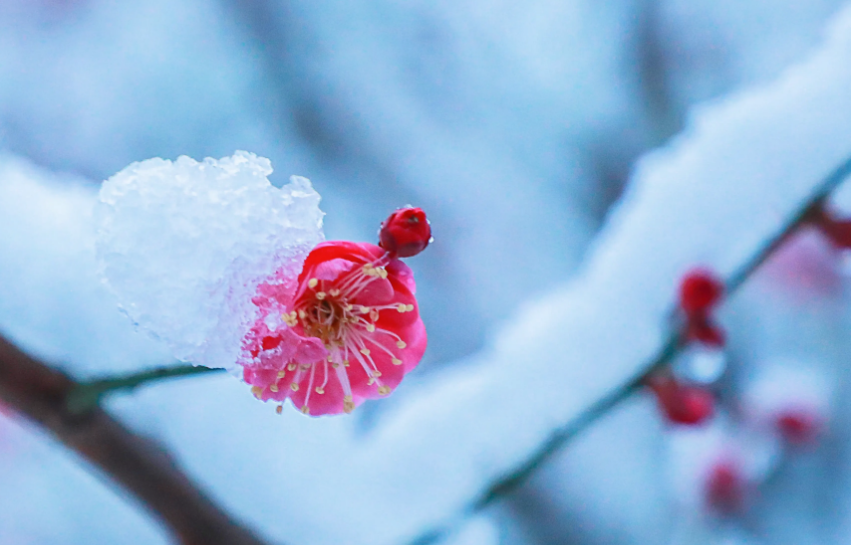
(348,329)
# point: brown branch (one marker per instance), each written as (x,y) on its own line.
(137,464)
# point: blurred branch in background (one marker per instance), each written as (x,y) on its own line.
(674,343)
(137,464)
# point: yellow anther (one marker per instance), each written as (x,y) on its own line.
(302,314)
(305,409)
(334,292)
(312,282)
(348,404)
(279,409)
(330,357)
(354,319)
(364,351)
(383,390)
(373,315)
(369,270)
(305,366)
(401,344)
(320,390)
(257,391)
(363,309)
(291,367)
(370,327)
(371,381)
(401,307)
(396,361)
(274,387)
(346,363)
(290,318)
(294,387)
(281,374)
(376,373)
(320,295)
(410,307)
(335,365)
(349,306)
(382,272)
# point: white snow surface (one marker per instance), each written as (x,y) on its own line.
(53,303)
(184,245)
(713,197)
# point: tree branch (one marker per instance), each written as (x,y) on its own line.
(135,463)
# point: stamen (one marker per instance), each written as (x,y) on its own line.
(294,387)
(370,327)
(334,292)
(348,404)
(383,390)
(257,391)
(274,387)
(312,282)
(290,318)
(396,361)
(401,344)
(320,295)
(320,390)
(281,374)
(279,409)
(305,409)
(291,367)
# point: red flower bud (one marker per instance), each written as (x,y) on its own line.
(838,231)
(799,427)
(725,488)
(405,233)
(684,404)
(702,330)
(700,290)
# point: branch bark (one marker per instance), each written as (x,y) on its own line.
(135,463)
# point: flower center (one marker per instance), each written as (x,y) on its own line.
(328,319)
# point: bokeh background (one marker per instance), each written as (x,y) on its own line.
(517,127)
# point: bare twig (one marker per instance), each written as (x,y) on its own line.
(84,396)
(137,464)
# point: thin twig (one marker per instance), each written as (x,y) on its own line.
(137,464)
(561,436)
(86,395)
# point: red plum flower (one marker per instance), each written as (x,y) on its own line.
(347,331)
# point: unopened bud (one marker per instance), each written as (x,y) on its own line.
(700,290)
(405,233)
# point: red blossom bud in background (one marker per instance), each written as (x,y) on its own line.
(725,488)
(702,330)
(838,231)
(700,291)
(685,404)
(799,426)
(405,233)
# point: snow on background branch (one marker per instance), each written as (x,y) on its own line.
(517,135)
